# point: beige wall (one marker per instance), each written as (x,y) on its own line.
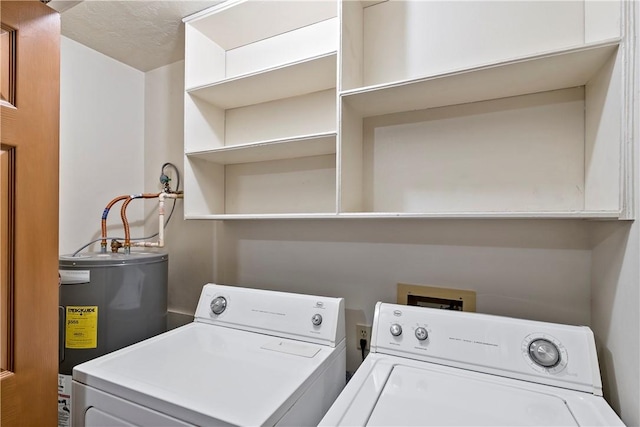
(528,269)
(189,243)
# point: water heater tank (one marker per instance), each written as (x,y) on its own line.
(109,301)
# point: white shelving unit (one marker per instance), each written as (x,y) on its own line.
(348,109)
(261,110)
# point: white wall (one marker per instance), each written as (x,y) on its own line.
(616,291)
(189,243)
(615,319)
(101,143)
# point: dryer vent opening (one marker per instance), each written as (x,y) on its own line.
(434,297)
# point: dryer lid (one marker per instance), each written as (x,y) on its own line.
(204,374)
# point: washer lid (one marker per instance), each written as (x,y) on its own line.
(206,375)
(418,397)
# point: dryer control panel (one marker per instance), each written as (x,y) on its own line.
(547,353)
(302,317)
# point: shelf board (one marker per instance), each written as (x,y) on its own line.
(587,215)
(488,215)
(304,146)
(544,72)
(285,81)
(240,22)
(263,216)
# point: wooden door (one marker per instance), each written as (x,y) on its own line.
(30,89)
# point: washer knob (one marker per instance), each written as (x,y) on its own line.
(218,305)
(544,353)
(396,330)
(421,333)
(316,319)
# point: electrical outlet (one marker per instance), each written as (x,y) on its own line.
(363,332)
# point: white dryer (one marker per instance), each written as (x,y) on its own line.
(250,358)
(432,367)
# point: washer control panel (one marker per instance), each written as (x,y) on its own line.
(561,355)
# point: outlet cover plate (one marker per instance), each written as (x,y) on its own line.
(363,331)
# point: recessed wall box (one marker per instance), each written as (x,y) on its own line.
(434,297)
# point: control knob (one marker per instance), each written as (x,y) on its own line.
(396,330)
(421,333)
(218,305)
(544,353)
(316,319)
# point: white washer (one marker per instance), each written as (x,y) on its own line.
(439,367)
(251,357)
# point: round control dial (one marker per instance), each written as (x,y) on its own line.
(544,353)
(396,330)
(316,319)
(421,333)
(218,305)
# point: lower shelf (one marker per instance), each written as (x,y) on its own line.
(586,215)
(273,187)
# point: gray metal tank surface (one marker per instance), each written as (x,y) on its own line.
(129,292)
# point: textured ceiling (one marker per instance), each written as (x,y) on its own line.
(142,34)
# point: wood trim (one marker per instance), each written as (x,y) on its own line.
(7,242)
(8,61)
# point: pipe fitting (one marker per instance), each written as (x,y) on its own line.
(115,246)
(160,243)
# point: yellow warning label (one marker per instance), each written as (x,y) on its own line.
(81,330)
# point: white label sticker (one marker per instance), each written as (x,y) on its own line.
(74,277)
(64,400)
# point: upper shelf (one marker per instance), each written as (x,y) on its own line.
(237,23)
(544,72)
(285,81)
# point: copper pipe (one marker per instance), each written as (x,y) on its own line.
(105,213)
(123,215)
